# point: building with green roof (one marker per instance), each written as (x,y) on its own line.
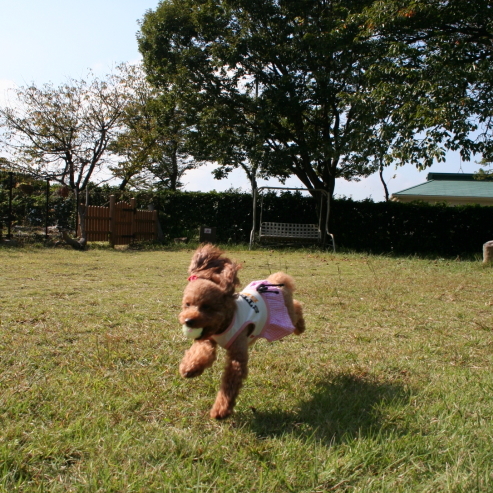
(452,188)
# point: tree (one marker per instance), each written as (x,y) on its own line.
(437,63)
(4,164)
(234,141)
(62,133)
(153,143)
(328,88)
(304,57)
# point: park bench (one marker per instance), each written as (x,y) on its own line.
(270,231)
(289,231)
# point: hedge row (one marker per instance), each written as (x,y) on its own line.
(381,227)
(182,213)
(416,228)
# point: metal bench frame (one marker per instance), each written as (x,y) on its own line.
(291,232)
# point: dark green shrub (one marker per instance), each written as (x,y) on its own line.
(381,227)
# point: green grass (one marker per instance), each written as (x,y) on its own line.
(390,388)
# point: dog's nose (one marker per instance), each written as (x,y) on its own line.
(190,322)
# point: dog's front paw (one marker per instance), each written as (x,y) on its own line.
(190,371)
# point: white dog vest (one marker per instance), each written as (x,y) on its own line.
(260,304)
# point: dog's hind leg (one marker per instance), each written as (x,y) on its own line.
(299,321)
(234,374)
(200,356)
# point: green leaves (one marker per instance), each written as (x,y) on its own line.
(271,84)
(437,65)
(153,144)
(62,133)
(327,89)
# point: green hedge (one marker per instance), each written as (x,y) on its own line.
(416,228)
(380,227)
(182,213)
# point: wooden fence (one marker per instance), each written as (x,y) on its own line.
(121,223)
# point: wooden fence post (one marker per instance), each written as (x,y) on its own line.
(112,221)
(133,222)
(158,232)
(156,225)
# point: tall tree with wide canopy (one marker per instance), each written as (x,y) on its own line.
(323,89)
(287,75)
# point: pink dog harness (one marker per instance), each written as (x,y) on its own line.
(260,304)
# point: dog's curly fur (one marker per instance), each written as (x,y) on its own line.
(209,302)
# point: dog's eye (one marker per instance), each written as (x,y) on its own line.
(206,307)
(187,305)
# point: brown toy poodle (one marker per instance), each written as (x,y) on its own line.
(214,314)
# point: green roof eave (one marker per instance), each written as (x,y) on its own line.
(444,188)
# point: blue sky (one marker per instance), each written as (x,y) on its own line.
(51,40)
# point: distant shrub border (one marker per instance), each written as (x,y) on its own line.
(416,228)
(366,226)
(373,227)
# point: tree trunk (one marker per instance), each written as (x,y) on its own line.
(173,176)
(123,184)
(322,207)
(83,233)
(253,184)
(81,243)
(324,217)
(380,172)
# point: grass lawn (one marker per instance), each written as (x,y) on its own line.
(389,389)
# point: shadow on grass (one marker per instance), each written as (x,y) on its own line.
(341,408)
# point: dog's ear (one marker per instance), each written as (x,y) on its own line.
(208,262)
(228,277)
